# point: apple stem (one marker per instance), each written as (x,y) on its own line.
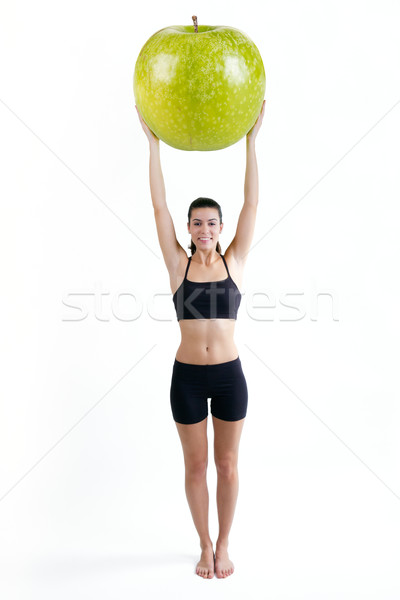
(194,18)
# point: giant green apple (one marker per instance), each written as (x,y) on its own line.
(199,88)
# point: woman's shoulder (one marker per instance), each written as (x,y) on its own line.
(235,267)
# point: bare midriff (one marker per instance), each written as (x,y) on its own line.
(207,341)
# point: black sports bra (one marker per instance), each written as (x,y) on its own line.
(207,300)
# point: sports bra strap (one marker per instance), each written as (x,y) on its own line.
(226,266)
(187,268)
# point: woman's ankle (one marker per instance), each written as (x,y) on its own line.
(222,543)
(206,543)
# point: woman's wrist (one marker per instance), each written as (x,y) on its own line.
(250,141)
(154,143)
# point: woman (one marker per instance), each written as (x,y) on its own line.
(207,364)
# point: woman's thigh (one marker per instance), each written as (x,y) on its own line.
(229,394)
(226,441)
(188,393)
(194,443)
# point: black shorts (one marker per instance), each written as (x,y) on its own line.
(192,385)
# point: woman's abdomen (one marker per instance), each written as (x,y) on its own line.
(208,341)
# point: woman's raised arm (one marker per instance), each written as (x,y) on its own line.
(240,244)
(170,247)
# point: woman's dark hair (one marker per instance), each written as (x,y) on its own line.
(200,203)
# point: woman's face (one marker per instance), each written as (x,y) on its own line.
(205,227)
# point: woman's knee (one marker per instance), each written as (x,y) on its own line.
(196,467)
(226,465)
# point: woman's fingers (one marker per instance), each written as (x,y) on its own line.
(254,130)
(140,118)
(261,115)
(145,127)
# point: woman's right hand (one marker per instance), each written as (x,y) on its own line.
(251,135)
(150,135)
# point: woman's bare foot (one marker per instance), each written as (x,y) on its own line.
(223,565)
(205,566)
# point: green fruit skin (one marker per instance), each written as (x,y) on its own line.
(199,91)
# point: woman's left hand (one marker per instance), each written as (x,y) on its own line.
(254,130)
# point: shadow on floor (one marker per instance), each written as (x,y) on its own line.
(79,565)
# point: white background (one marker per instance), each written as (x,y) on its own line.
(92,489)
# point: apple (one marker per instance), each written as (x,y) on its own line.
(199,87)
